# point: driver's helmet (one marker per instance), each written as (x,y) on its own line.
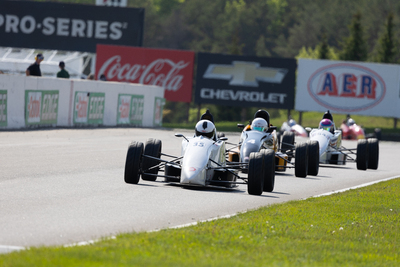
(292,122)
(262,114)
(350,122)
(259,124)
(205,128)
(326,124)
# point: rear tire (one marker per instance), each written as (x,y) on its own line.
(373,153)
(362,154)
(301,160)
(269,169)
(287,141)
(153,149)
(255,181)
(313,157)
(132,163)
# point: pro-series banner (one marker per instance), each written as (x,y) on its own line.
(348,87)
(170,69)
(69,27)
(246,81)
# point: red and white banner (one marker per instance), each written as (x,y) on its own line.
(170,69)
(348,87)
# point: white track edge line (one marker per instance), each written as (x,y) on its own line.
(84,243)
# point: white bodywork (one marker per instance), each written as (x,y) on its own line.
(196,162)
(329,143)
(297,129)
(253,141)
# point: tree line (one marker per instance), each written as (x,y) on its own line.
(359,30)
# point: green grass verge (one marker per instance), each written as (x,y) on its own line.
(359,227)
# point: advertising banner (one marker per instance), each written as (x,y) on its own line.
(41,107)
(70,27)
(159,103)
(170,69)
(130,109)
(3,108)
(245,81)
(89,108)
(348,87)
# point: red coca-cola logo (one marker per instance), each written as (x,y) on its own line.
(170,69)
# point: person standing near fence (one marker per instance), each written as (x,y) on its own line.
(62,73)
(34,69)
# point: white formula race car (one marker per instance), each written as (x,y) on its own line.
(202,163)
(305,155)
(366,155)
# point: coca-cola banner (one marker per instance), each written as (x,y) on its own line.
(170,69)
(69,27)
(245,81)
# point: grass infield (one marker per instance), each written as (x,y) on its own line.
(359,227)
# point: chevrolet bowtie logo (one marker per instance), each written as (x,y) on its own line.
(242,73)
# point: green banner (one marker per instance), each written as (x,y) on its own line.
(89,108)
(41,107)
(130,109)
(3,108)
(159,103)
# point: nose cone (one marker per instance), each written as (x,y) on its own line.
(193,176)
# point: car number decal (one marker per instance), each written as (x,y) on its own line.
(200,144)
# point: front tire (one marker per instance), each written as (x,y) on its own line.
(301,160)
(153,149)
(132,163)
(362,154)
(255,181)
(269,169)
(313,157)
(373,153)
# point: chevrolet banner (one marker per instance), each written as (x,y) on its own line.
(245,81)
(69,27)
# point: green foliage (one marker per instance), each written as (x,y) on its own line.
(387,48)
(323,49)
(354,228)
(355,47)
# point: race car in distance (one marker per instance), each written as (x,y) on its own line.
(202,163)
(292,126)
(353,131)
(260,136)
(366,155)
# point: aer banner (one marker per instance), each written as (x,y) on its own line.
(246,81)
(348,87)
(70,27)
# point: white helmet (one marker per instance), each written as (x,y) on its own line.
(259,124)
(205,128)
(350,122)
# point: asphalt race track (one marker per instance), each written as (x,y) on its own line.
(62,186)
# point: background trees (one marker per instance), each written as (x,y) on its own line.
(362,30)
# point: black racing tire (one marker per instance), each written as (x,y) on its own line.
(269,169)
(362,154)
(278,137)
(255,181)
(313,157)
(133,162)
(153,149)
(378,133)
(301,160)
(373,153)
(287,141)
